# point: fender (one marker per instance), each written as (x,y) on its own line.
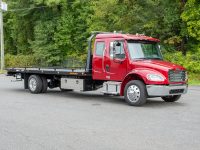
(140,74)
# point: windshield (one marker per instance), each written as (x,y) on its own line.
(144,50)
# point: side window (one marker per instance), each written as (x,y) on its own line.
(100,46)
(120,54)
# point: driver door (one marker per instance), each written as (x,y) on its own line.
(116,63)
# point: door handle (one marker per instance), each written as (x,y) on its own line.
(107,68)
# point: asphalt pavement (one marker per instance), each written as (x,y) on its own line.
(91,121)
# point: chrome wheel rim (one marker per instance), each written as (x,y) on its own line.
(133,93)
(32,84)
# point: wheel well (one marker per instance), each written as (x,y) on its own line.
(129,78)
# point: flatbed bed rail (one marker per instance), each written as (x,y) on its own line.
(75,71)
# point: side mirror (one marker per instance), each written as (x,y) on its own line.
(117,52)
(116,44)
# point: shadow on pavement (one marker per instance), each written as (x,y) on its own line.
(160,103)
(98,98)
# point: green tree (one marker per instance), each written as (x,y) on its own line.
(51,30)
(191,16)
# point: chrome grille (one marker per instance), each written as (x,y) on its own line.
(177,75)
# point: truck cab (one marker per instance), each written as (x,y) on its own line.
(135,65)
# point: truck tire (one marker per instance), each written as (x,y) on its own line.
(35,84)
(172,98)
(135,93)
(44,85)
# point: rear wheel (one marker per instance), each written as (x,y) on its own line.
(35,84)
(44,85)
(135,93)
(172,98)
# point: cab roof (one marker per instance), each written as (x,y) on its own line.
(136,37)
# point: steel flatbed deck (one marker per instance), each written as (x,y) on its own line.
(50,71)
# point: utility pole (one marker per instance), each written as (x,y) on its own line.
(1,37)
(3,7)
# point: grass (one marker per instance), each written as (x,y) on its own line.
(194,79)
(2,72)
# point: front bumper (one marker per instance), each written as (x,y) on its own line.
(166,90)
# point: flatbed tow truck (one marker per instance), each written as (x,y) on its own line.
(123,64)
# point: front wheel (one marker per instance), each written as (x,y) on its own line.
(172,98)
(135,93)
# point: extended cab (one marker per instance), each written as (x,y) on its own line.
(126,65)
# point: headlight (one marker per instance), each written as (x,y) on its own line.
(155,77)
(186,76)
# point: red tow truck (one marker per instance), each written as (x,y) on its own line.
(120,64)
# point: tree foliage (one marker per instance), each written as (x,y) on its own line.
(191,16)
(51,30)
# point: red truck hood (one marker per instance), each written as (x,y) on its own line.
(159,65)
